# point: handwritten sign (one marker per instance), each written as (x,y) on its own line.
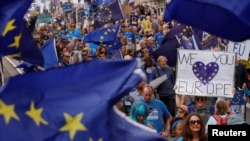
(44,18)
(241,48)
(205,73)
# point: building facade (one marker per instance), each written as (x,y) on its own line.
(158,4)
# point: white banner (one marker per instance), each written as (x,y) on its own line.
(205,73)
(241,48)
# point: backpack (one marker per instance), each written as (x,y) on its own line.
(220,120)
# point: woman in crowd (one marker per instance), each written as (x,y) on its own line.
(193,129)
(199,107)
(221,114)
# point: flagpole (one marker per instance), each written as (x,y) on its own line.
(76,14)
(1,71)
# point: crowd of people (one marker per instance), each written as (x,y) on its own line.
(190,115)
(173,116)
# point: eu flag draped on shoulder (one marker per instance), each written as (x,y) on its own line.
(108,14)
(15,39)
(74,103)
(226,19)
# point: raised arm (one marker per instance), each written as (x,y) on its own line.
(180,105)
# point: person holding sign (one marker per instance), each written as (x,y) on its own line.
(199,107)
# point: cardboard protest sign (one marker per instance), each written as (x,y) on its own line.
(241,48)
(205,73)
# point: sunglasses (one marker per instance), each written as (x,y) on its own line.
(193,122)
(199,99)
(67,56)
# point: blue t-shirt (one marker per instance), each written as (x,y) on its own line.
(159,36)
(180,139)
(157,112)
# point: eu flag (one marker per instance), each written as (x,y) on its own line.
(49,54)
(209,42)
(196,42)
(236,102)
(103,35)
(170,44)
(168,49)
(180,35)
(226,19)
(186,43)
(108,14)
(74,103)
(115,45)
(15,39)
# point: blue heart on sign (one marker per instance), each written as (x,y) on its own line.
(205,73)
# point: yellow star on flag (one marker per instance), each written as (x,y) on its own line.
(16,41)
(8,112)
(36,114)
(91,139)
(10,26)
(73,124)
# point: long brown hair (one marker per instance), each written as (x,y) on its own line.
(187,133)
(222,108)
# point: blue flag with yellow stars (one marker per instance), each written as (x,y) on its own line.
(103,35)
(74,103)
(15,39)
(106,37)
(236,102)
(49,54)
(108,14)
(170,44)
(222,18)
